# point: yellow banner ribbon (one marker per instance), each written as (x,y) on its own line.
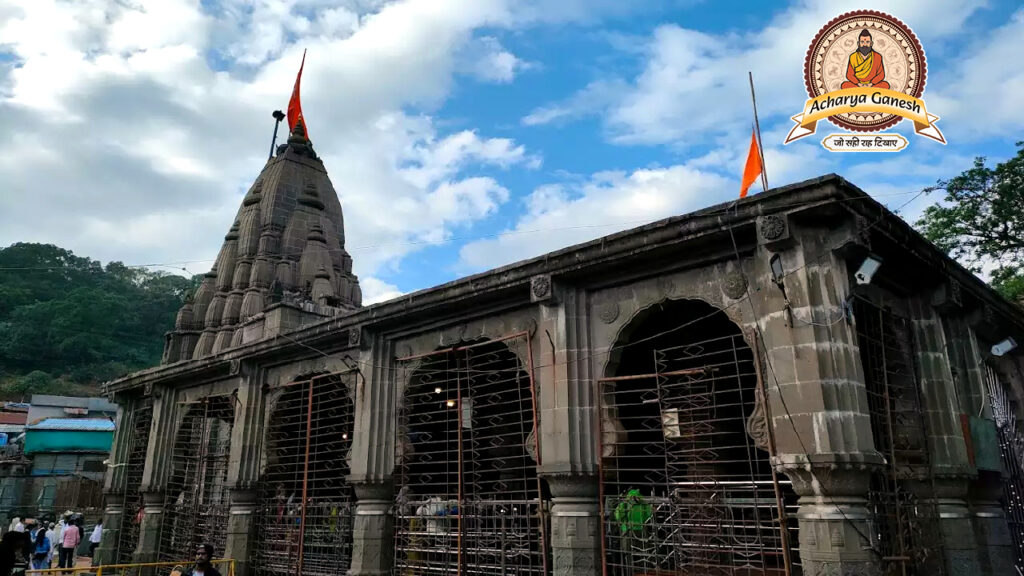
(865,99)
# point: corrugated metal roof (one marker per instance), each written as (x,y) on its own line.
(79,424)
(13,418)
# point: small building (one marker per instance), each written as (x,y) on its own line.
(46,406)
(67,461)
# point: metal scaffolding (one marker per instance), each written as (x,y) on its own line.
(685,486)
(1011,448)
(469,498)
(131,505)
(907,530)
(304,517)
(196,501)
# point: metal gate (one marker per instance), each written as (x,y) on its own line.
(1011,447)
(685,487)
(469,498)
(131,505)
(304,518)
(906,533)
(196,501)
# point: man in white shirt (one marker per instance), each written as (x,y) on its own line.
(94,538)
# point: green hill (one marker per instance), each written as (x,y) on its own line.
(67,323)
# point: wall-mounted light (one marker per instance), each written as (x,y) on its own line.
(867,269)
(1003,347)
(437,390)
(344,436)
(450,403)
(778,274)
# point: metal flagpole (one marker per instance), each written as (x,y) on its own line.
(757,128)
(278,116)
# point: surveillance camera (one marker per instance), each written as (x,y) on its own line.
(1004,347)
(867,269)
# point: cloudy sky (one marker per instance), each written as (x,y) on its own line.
(461,135)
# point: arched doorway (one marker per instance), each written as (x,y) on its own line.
(196,501)
(686,481)
(469,498)
(304,519)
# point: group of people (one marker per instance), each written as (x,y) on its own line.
(37,543)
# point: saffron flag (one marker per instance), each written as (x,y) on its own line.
(753,167)
(295,104)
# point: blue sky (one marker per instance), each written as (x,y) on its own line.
(460,136)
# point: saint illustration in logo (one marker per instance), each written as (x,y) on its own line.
(865,68)
(865,71)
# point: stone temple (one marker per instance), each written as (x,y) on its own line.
(793,383)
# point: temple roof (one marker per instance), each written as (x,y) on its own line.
(287,242)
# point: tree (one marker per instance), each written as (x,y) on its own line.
(981,221)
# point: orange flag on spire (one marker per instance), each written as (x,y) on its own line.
(295,104)
(753,167)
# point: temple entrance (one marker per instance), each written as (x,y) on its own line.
(131,515)
(686,482)
(304,516)
(196,501)
(469,498)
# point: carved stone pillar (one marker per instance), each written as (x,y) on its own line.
(834,521)
(150,528)
(155,473)
(575,526)
(951,469)
(996,552)
(240,531)
(814,384)
(114,484)
(244,468)
(372,530)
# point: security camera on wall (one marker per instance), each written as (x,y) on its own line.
(1003,347)
(867,269)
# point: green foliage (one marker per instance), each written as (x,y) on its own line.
(981,221)
(68,323)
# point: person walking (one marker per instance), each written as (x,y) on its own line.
(52,534)
(95,537)
(69,542)
(41,554)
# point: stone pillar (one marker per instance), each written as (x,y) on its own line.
(816,394)
(156,472)
(372,461)
(575,525)
(372,530)
(947,451)
(114,483)
(996,552)
(239,544)
(148,549)
(244,469)
(568,408)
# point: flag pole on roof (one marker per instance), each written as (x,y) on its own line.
(755,156)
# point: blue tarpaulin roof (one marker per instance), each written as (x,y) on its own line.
(76,424)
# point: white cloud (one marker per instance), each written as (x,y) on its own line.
(139,126)
(376,290)
(694,84)
(487,60)
(981,94)
(560,215)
